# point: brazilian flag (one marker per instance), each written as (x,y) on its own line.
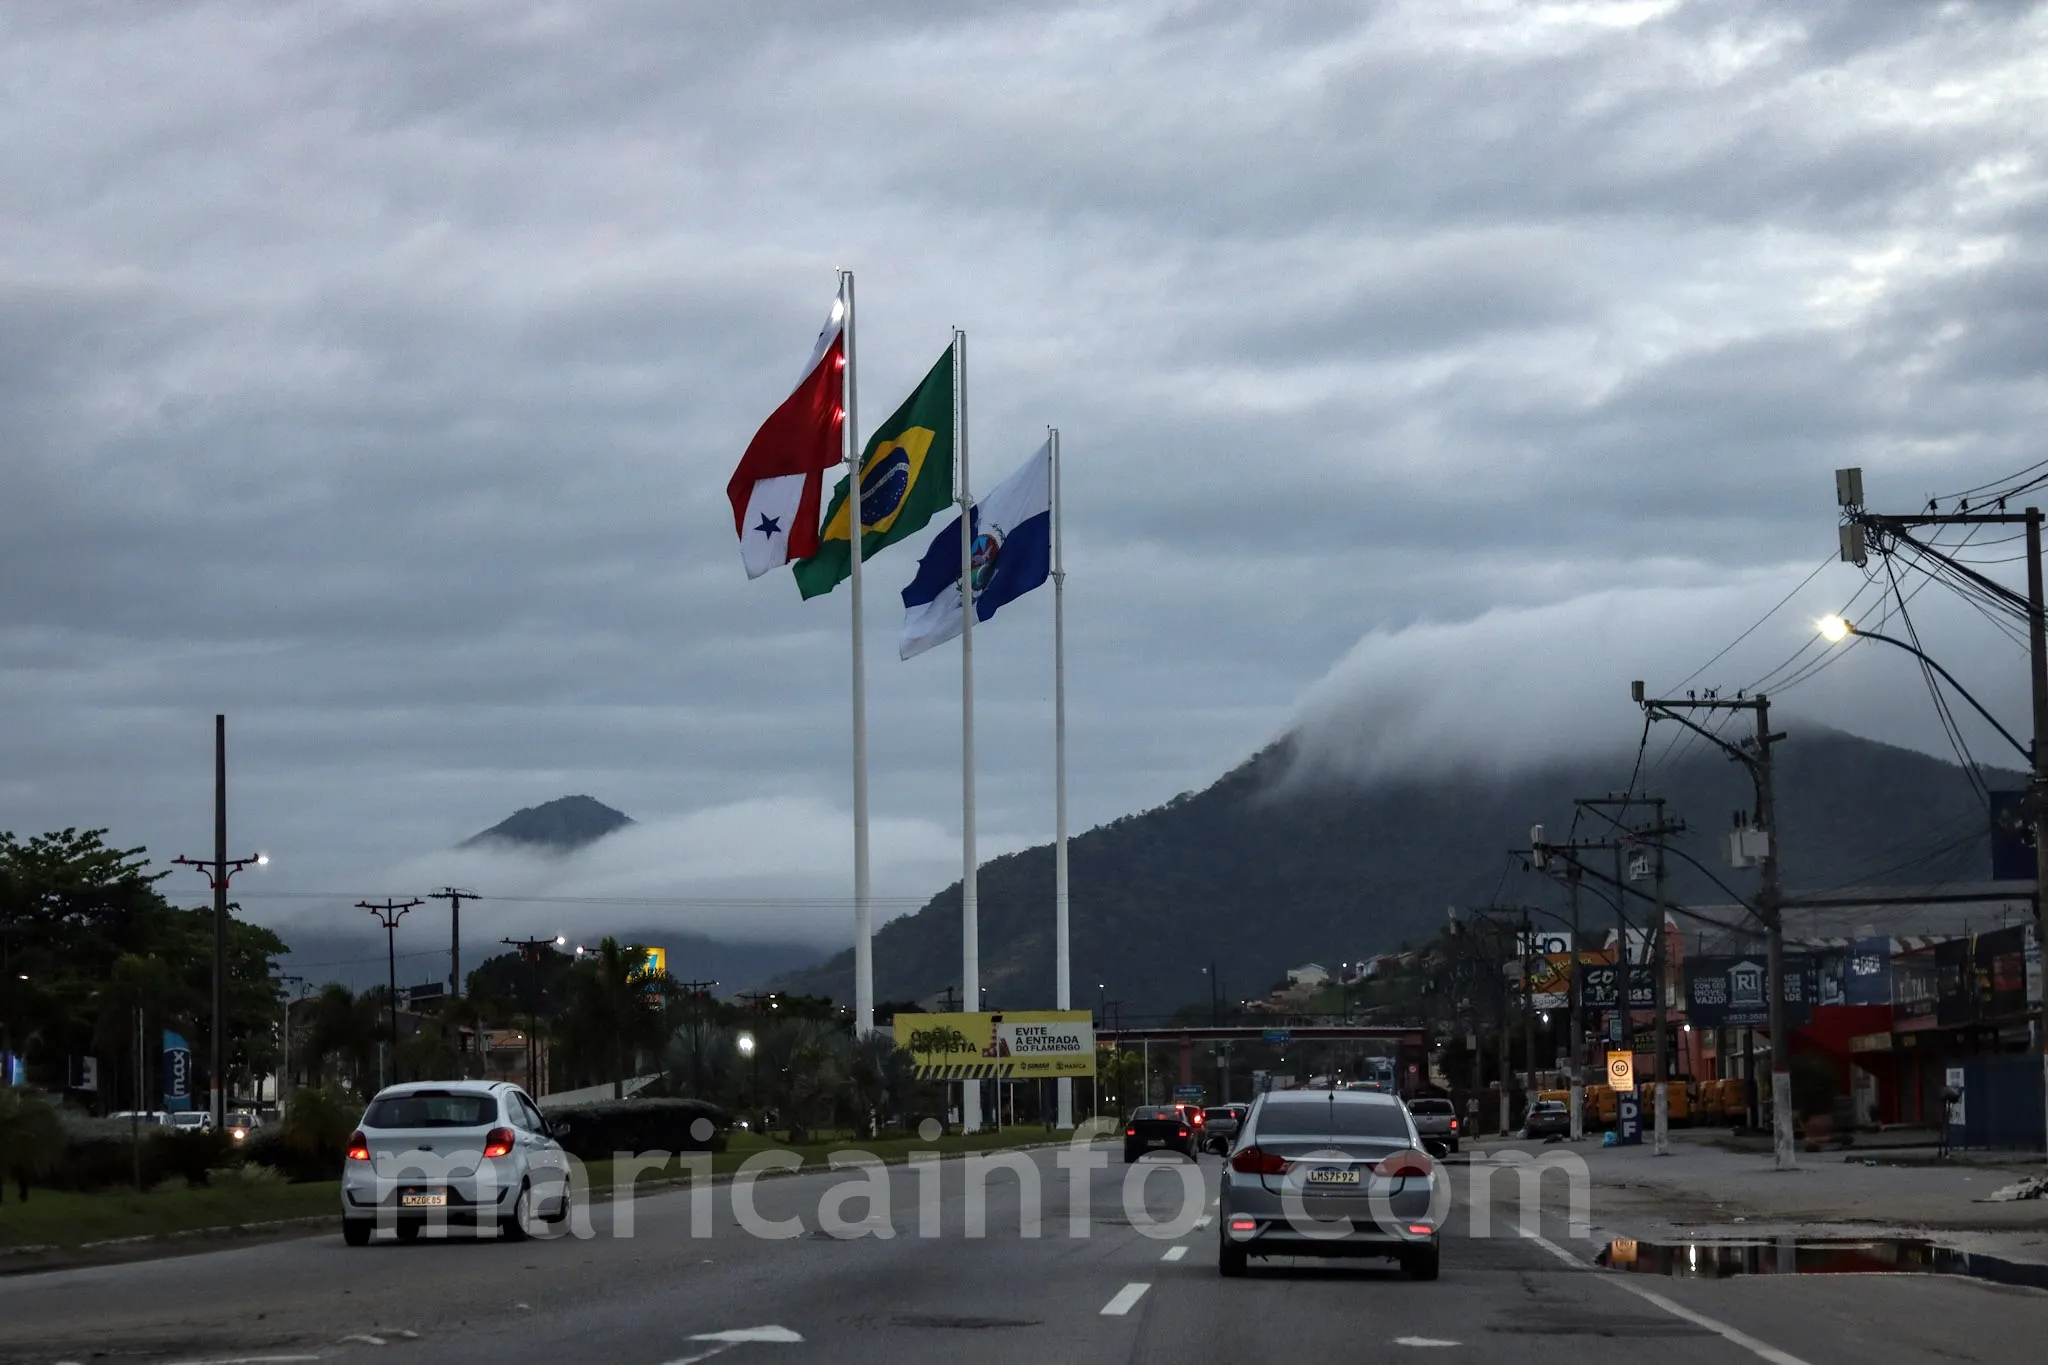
(906,479)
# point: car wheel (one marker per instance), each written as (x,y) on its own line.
(1231,1260)
(356,1231)
(1454,1146)
(561,1213)
(409,1232)
(517,1225)
(1421,1262)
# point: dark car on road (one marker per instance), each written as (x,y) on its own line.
(1547,1118)
(1158,1128)
(1220,1123)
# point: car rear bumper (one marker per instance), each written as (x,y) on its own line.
(1278,1238)
(466,1199)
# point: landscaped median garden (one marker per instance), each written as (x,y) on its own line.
(83,1192)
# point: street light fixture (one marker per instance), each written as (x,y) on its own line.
(1835,629)
(745,1043)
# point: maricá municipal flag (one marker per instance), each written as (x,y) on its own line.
(906,479)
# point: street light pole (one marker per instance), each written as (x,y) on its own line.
(284,1038)
(219,871)
(389,914)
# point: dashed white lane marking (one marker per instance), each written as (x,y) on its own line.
(1174,1253)
(249,1360)
(1424,1341)
(1201,1222)
(1125,1300)
(1763,1350)
(364,1339)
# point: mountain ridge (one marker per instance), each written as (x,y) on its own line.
(562,825)
(1271,866)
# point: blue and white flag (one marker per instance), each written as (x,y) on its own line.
(1012,555)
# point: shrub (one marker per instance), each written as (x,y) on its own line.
(188,1153)
(316,1127)
(248,1173)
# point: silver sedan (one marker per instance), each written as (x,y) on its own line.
(1331,1173)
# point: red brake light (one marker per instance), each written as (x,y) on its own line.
(1183,1132)
(1252,1161)
(1130,1132)
(1404,1163)
(1454,1125)
(1197,1118)
(358,1146)
(498,1142)
(1420,1229)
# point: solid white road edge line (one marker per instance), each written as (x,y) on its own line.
(1126,1299)
(1761,1349)
(1174,1253)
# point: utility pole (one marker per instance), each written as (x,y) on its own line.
(696,991)
(284,1039)
(455,896)
(1657,832)
(219,871)
(1862,531)
(530,951)
(1754,754)
(389,914)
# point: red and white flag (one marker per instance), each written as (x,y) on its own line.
(775,490)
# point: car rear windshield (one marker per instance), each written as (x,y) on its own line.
(433,1109)
(1323,1118)
(1157,1112)
(1430,1107)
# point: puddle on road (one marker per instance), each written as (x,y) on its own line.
(1720,1260)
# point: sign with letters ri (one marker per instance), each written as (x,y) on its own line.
(1006,1045)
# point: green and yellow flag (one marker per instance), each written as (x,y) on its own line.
(906,478)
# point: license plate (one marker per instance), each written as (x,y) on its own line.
(1332,1175)
(1156,1142)
(422,1199)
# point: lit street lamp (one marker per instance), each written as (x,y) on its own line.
(747,1048)
(1835,629)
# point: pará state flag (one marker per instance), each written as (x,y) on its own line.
(906,479)
(775,491)
(1012,554)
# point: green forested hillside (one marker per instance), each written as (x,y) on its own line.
(1257,873)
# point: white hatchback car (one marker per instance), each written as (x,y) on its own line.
(470,1153)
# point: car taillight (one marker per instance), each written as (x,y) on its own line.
(1252,1161)
(358,1146)
(1197,1118)
(498,1142)
(1420,1229)
(1454,1125)
(1404,1163)
(1130,1132)
(1183,1132)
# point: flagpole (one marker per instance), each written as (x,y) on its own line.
(970,926)
(1062,983)
(863,945)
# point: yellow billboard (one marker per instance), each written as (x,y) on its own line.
(1006,1045)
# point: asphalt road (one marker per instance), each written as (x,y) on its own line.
(1120,1293)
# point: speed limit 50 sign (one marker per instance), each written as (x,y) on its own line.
(1621,1070)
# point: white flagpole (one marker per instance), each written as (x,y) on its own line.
(1062,983)
(970,925)
(863,946)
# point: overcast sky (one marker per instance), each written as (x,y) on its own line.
(372,372)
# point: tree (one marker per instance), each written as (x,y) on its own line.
(339,1035)
(612,1010)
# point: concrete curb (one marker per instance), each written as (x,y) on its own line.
(35,1259)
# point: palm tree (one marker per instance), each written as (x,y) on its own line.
(613,1010)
